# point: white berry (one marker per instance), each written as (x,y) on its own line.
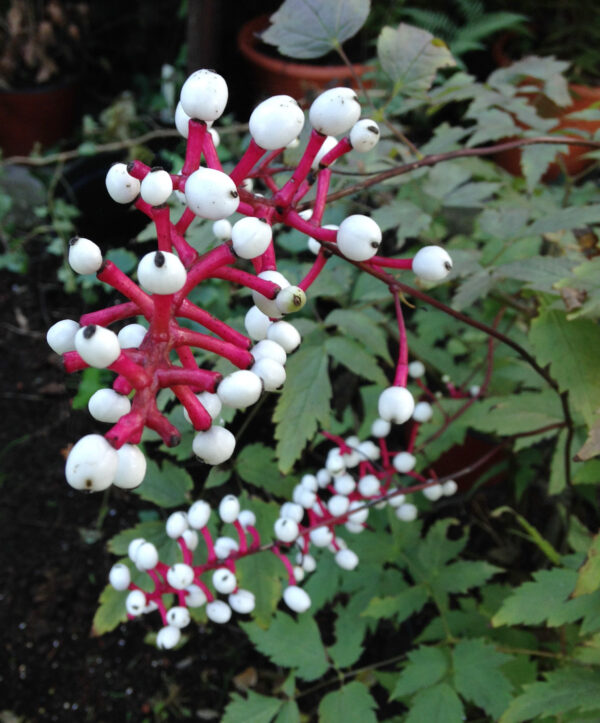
(416,369)
(224,581)
(361,513)
(358,237)
(146,557)
(268,306)
(284,334)
(198,514)
(267,349)
(85,256)
(156,187)
(329,143)
(433,492)
(222,229)
(270,372)
(396,405)
(106,405)
(251,237)
(404,462)
(168,637)
(364,135)
(195,596)
(276,122)
(286,529)
(247,518)
(119,576)
(380,428)
(224,546)
(242,601)
(121,187)
(182,121)
(91,464)
(240,389)
(211,194)
(290,299)
(257,323)
(178,616)
(368,485)
(161,272)
(423,412)
(407,512)
(449,488)
(346,559)
(180,576)
(344,484)
(335,111)
(132,336)
(296,598)
(218,611)
(61,336)
(338,505)
(204,95)
(131,469)
(177,522)
(229,508)
(432,263)
(214,446)
(135,603)
(292,510)
(321,536)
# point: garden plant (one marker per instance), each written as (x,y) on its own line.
(358,373)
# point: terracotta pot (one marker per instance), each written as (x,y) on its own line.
(43,115)
(278,76)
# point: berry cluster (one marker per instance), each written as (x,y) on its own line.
(143,356)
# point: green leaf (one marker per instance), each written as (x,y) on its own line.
(153,531)
(491,125)
(256,464)
(304,403)
(412,57)
(360,327)
(588,578)
(407,218)
(516,413)
(540,273)
(566,219)
(460,576)
(351,704)
(91,380)
(217,477)
(289,713)
(293,643)
(564,690)
(401,606)
(261,573)
(255,708)
(349,634)
(572,349)
(439,703)
(535,160)
(477,676)
(167,487)
(425,667)
(309,28)
(353,356)
(111,610)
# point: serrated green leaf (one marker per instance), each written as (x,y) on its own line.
(352,703)
(516,413)
(294,643)
(588,578)
(262,574)
(91,380)
(409,219)
(491,125)
(353,356)
(460,576)
(255,708)
(309,29)
(477,676)
(438,703)
(303,405)
(360,327)
(435,550)
(411,57)
(289,713)
(349,635)
(535,160)
(566,219)
(425,667)
(540,273)
(564,690)
(323,584)
(111,610)
(217,477)
(400,606)
(256,464)
(153,531)
(168,486)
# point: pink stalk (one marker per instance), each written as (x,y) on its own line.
(169,434)
(202,379)
(210,322)
(122,386)
(270,184)
(184,222)
(144,207)
(391,263)
(212,556)
(241,537)
(240,357)
(127,429)
(385,455)
(251,155)
(112,275)
(303,189)
(402,368)
(323,181)
(136,375)
(336,439)
(243,278)
(343,146)
(263,165)
(293,219)
(187,254)
(202,585)
(200,418)
(161,319)
(286,563)
(162,221)
(267,260)
(314,271)
(413,437)
(104,317)
(210,153)
(204,267)
(255,544)
(186,357)
(193,151)
(138,170)
(313,146)
(72,362)
(186,553)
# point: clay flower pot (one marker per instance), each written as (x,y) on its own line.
(278,76)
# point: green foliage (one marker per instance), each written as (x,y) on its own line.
(350,703)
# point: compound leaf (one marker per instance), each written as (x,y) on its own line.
(352,704)
(167,486)
(255,708)
(425,667)
(439,703)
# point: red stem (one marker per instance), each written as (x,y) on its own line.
(240,357)
(402,368)
(104,317)
(193,152)
(251,155)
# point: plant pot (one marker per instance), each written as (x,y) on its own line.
(278,76)
(39,115)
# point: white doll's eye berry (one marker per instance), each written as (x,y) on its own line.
(161,272)
(224,581)
(121,187)
(290,299)
(335,464)
(216,138)
(134,546)
(432,263)
(368,486)
(224,546)
(180,576)
(296,599)
(416,369)
(135,603)
(360,515)
(308,562)
(268,306)
(222,229)
(313,245)
(251,237)
(407,512)
(397,500)
(329,143)
(303,497)
(368,450)
(323,478)
(178,616)
(344,484)
(85,256)
(321,536)
(146,557)
(364,135)
(299,573)
(354,527)
(449,488)
(190,537)
(218,611)
(92,464)
(211,194)
(229,508)
(198,514)
(433,493)
(247,518)
(423,412)
(182,121)
(106,405)
(131,469)
(338,505)
(132,336)
(168,637)
(240,389)
(380,428)
(242,601)
(214,446)
(97,346)
(286,529)
(396,405)
(335,111)
(156,187)
(119,576)
(61,336)
(358,237)
(276,122)
(176,524)
(270,372)
(194,596)
(257,323)
(346,559)
(211,403)
(310,482)
(204,95)
(293,511)
(267,349)
(284,334)
(404,462)
(475,390)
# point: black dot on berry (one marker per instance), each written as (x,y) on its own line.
(73,241)
(374,244)
(234,194)
(373,129)
(447,265)
(89,331)
(159,259)
(156,168)
(89,484)
(130,166)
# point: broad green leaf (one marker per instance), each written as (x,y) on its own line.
(304,403)
(256,464)
(262,574)
(477,676)
(310,28)
(323,584)
(564,690)
(462,575)
(111,610)
(400,606)
(425,667)
(153,531)
(491,125)
(168,486)
(572,349)
(588,579)
(353,356)
(558,482)
(91,380)
(352,703)
(289,713)
(409,219)
(294,643)
(217,477)
(565,219)
(435,550)
(254,708)
(540,272)
(349,634)
(411,57)
(591,448)
(360,327)
(535,160)
(439,703)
